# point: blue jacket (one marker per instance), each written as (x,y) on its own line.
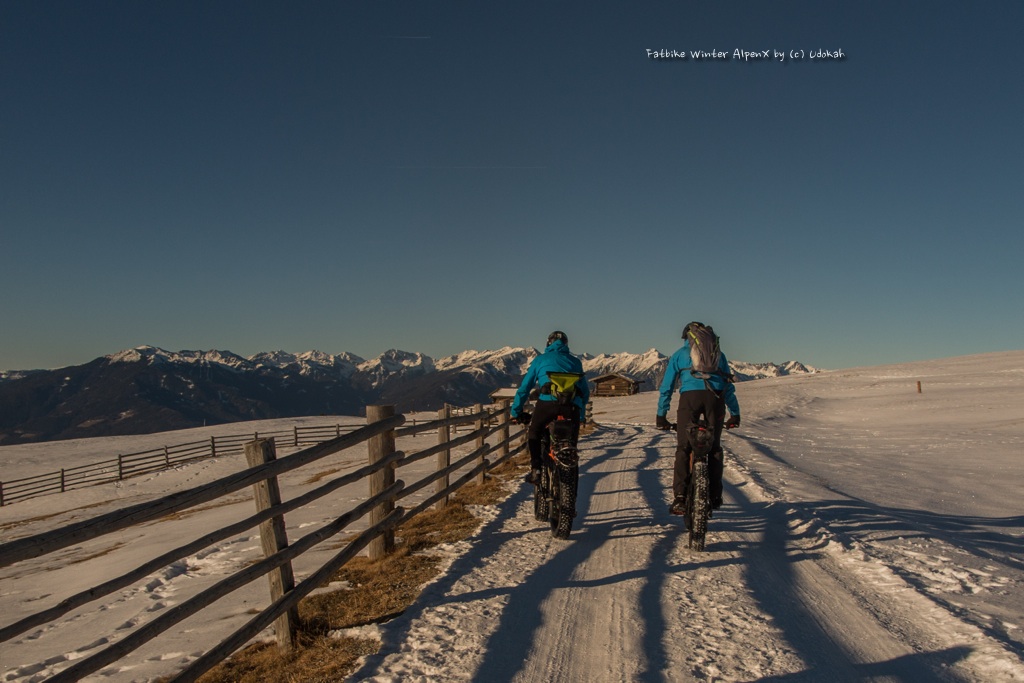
(556,358)
(679,366)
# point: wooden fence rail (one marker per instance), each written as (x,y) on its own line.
(382,428)
(207,597)
(186,550)
(129,465)
(47,542)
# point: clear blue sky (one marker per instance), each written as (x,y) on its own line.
(439,176)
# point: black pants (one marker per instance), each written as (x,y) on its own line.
(694,406)
(544,413)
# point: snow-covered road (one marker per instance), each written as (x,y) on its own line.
(801,581)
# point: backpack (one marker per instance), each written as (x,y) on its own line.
(705,352)
(562,385)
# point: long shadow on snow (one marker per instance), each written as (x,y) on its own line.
(652,610)
(855,519)
(487,542)
(512,642)
(977,535)
(877,671)
(658,457)
(770,575)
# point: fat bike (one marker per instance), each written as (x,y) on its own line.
(554,500)
(698,495)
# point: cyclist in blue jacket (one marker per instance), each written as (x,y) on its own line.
(701,395)
(555,358)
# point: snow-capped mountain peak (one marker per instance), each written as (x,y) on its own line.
(395,360)
(155,355)
(504,357)
(310,362)
(640,366)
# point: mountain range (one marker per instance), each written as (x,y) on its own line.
(148,389)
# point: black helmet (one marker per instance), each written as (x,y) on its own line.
(558,335)
(694,325)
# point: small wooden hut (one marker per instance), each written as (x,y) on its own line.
(615,384)
(503,394)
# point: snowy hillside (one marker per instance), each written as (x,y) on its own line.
(869,532)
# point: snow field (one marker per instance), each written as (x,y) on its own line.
(868,532)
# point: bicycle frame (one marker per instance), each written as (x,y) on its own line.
(562,448)
(698,504)
(555,496)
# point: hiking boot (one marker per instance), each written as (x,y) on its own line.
(678,507)
(533,477)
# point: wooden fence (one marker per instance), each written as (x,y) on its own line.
(155,459)
(384,492)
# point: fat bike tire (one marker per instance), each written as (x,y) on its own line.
(699,507)
(565,505)
(542,496)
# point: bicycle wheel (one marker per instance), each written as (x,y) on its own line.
(561,520)
(698,506)
(542,496)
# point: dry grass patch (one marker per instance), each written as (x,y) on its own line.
(377,591)
(381,589)
(315,660)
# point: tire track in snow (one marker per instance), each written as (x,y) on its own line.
(623,599)
(852,617)
(612,603)
(599,603)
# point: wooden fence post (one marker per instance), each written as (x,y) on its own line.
(273,537)
(120,467)
(523,441)
(1,494)
(296,428)
(62,489)
(213,446)
(919,386)
(480,443)
(380,447)
(588,418)
(444,458)
(503,418)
